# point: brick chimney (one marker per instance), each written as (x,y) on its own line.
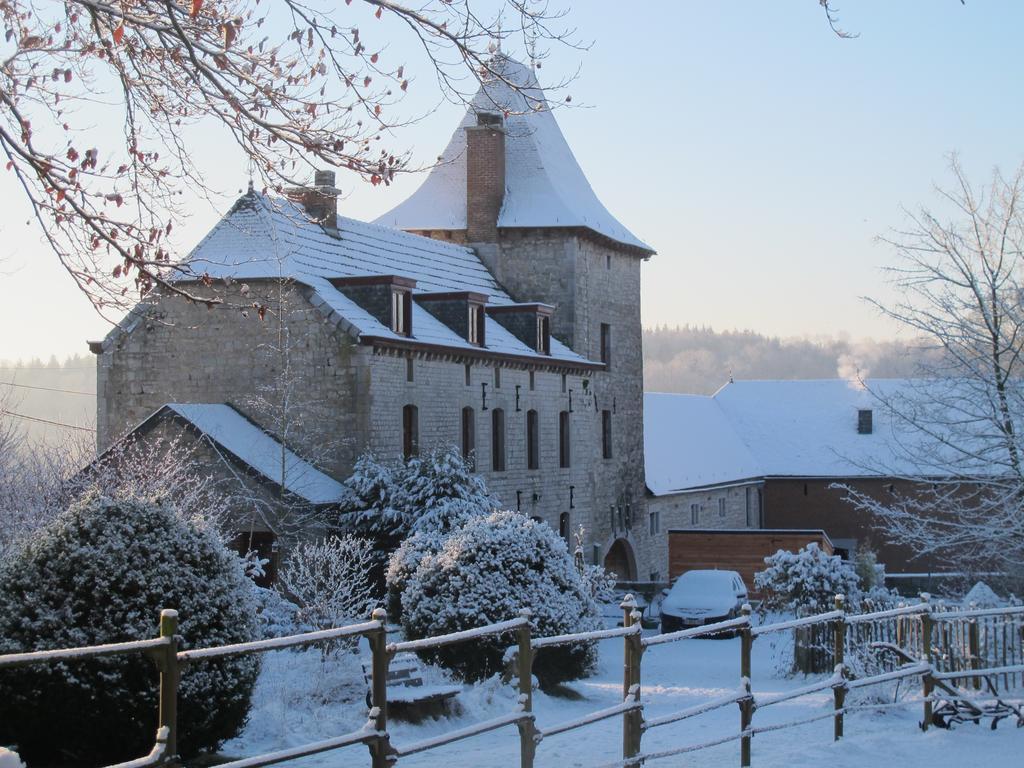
(485,177)
(320,200)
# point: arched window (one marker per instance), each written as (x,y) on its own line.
(532,440)
(498,440)
(410,431)
(469,436)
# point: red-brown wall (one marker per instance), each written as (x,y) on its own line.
(742,551)
(797,503)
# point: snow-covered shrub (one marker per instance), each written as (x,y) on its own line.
(807,581)
(428,535)
(100,573)
(368,511)
(276,615)
(9,759)
(874,595)
(330,580)
(485,572)
(388,502)
(981,595)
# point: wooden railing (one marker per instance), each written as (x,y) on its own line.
(374,733)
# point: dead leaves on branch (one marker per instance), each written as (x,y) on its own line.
(296,86)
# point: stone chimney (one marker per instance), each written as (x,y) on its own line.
(320,200)
(485,177)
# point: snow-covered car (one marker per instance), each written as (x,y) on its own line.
(702,597)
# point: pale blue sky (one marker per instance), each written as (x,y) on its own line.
(758,153)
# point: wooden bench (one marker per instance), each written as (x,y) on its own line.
(405,681)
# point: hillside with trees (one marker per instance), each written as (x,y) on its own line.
(699,360)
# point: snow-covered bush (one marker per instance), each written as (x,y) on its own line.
(100,573)
(388,502)
(485,572)
(368,511)
(10,759)
(276,615)
(330,580)
(806,581)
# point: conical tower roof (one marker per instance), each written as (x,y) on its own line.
(544,185)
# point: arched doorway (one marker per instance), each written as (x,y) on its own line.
(621,561)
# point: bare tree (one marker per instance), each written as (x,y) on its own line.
(293,83)
(958,426)
(40,480)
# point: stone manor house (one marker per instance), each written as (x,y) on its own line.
(496,309)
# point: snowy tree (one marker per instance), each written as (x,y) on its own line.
(330,580)
(959,424)
(807,581)
(485,572)
(100,573)
(432,496)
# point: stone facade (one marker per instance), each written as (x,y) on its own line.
(730,508)
(351,392)
(174,351)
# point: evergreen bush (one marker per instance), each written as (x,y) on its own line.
(100,573)
(485,572)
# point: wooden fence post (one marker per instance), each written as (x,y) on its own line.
(974,647)
(630,677)
(839,654)
(747,705)
(926,645)
(380,749)
(169,678)
(527,743)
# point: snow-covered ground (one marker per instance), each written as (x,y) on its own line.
(299,699)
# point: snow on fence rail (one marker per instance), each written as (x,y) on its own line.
(933,632)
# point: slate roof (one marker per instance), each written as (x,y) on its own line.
(544,185)
(249,444)
(756,429)
(265,237)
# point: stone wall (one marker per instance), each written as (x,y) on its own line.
(730,508)
(440,392)
(180,352)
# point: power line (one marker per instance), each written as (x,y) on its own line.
(46,421)
(47,389)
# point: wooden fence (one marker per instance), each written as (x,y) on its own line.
(934,630)
(961,639)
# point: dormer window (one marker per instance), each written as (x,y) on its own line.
(530,323)
(544,334)
(388,298)
(401,311)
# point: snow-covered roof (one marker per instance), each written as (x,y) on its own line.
(754,429)
(264,237)
(249,444)
(544,185)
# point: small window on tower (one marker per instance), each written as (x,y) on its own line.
(606,344)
